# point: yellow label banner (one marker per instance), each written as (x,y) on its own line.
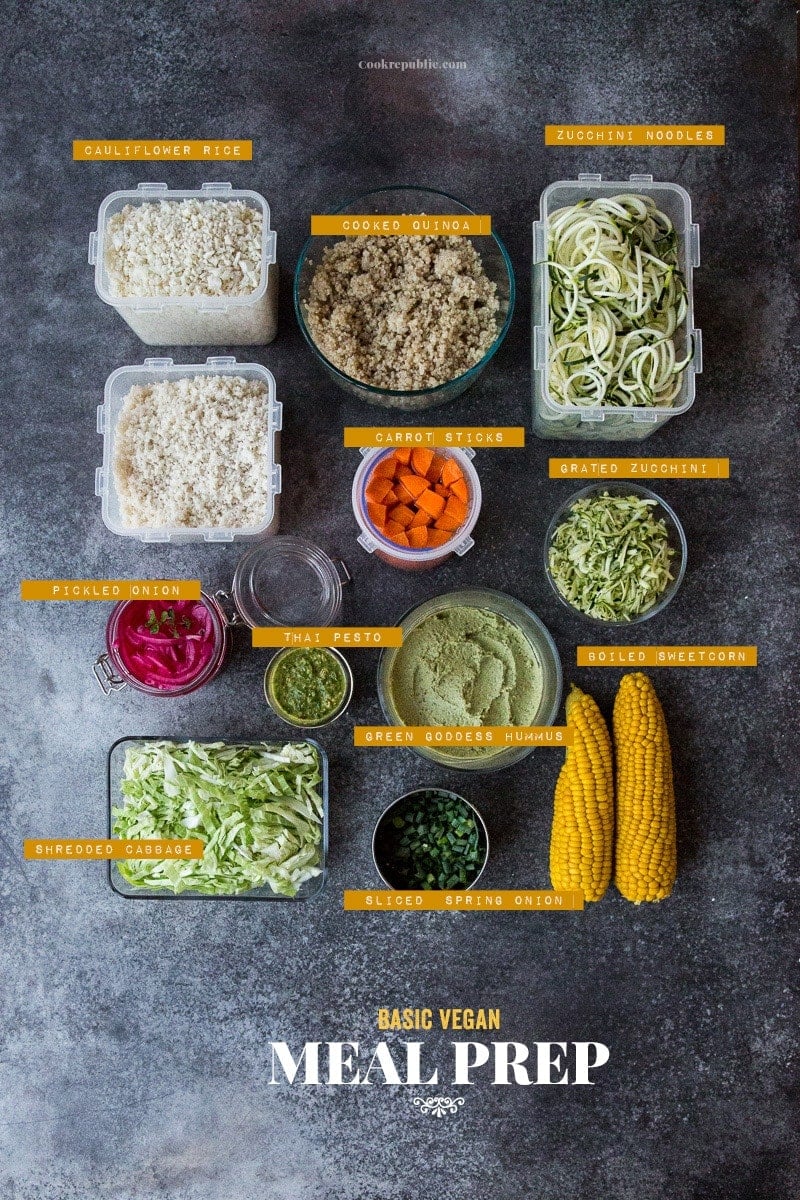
(634,135)
(351,637)
(397,224)
(103,150)
(109,589)
(95,849)
(502,900)
(557,736)
(640,468)
(497,437)
(667,656)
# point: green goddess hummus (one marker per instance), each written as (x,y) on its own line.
(466,666)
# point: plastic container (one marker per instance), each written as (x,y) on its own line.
(398,556)
(113,674)
(153,370)
(607,422)
(541,643)
(496,264)
(381,838)
(192,320)
(308,890)
(676,535)
(286,716)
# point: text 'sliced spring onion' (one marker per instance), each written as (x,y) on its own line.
(610,556)
(258,808)
(617,302)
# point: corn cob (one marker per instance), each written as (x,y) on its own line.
(645,853)
(583,809)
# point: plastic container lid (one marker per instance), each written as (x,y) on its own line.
(287,581)
(374,542)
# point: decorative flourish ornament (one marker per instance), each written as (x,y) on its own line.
(438,1106)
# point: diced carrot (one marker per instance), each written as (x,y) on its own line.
(451,472)
(391,498)
(402,514)
(441,490)
(438,537)
(392,527)
(421,460)
(403,456)
(434,472)
(456,508)
(417,537)
(376,489)
(415,484)
(459,488)
(447,521)
(421,519)
(400,538)
(385,468)
(377,513)
(404,494)
(432,503)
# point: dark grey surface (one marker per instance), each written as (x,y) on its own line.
(135,1036)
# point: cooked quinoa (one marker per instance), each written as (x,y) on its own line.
(184,248)
(402,313)
(193,453)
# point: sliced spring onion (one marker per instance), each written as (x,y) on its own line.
(610,556)
(617,303)
(257,808)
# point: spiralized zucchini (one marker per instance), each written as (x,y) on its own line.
(617,299)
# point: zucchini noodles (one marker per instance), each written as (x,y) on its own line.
(617,299)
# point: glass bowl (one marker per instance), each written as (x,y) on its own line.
(382,835)
(283,713)
(540,641)
(496,264)
(677,540)
(287,580)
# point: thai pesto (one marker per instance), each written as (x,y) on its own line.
(307,684)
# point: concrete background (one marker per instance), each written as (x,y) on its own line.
(135,1036)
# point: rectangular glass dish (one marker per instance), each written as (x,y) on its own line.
(606,422)
(249,320)
(154,370)
(118,884)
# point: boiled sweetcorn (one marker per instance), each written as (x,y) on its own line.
(645,848)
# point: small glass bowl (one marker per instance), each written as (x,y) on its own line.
(286,716)
(540,641)
(496,264)
(677,540)
(382,831)
(287,580)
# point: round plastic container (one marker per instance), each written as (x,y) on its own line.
(381,838)
(496,264)
(113,673)
(287,716)
(677,540)
(374,542)
(287,581)
(541,643)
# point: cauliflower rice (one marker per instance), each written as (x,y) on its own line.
(194,453)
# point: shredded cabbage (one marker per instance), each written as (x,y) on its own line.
(257,807)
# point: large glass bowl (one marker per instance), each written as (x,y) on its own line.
(540,641)
(675,534)
(496,264)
